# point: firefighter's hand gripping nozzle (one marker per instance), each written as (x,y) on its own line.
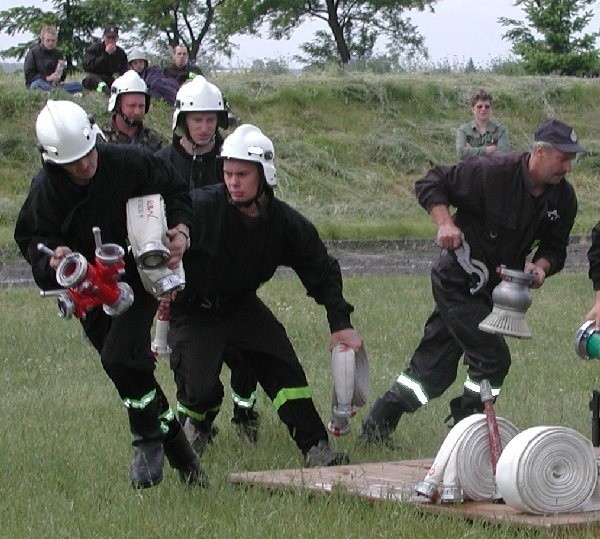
(89,285)
(147,232)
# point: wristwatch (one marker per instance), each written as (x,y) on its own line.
(186,236)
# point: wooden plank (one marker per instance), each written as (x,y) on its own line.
(395,481)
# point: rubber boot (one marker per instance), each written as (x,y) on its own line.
(247,421)
(322,455)
(199,434)
(464,406)
(383,417)
(182,458)
(146,468)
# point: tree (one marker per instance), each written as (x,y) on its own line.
(192,23)
(562,48)
(75,20)
(354,25)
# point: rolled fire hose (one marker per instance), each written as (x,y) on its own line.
(462,464)
(547,470)
(350,372)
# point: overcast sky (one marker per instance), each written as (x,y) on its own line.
(457,31)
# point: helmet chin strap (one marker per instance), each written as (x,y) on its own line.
(130,123)
(254,200)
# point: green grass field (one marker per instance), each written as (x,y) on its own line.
(349,147)
(65,441)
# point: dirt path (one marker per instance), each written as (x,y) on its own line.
(385,257)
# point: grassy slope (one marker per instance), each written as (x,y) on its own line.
(349,146)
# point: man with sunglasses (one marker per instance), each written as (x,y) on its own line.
(481,136)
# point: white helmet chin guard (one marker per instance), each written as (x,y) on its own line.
(65,132)
(199,95)
(248,143)
(129,83)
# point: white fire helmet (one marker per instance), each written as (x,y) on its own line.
(248,143)
(129,83)
(136,54)
(199,95)
(65,132)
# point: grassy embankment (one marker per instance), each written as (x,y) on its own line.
(348,147)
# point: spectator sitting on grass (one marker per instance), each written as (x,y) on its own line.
(181,70)
(159,86)
(44,65)
(104,61)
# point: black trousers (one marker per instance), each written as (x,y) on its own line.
(123,343)
(243,379)
(199,346)
(451,332)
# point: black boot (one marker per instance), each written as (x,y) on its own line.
(461,407)
(381,421)
(247,421)
(146,468)
(322,455)
(182,458)
(383,417)
(199,434)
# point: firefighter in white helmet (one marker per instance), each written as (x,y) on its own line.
(201,109)
(129,103)
(82,185)
(241,234)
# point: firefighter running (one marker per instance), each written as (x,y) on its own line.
(240,235)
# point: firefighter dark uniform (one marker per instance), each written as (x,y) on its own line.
(199,169)
(502,223)
(59,212)
(229,259)
(145,137)
(594,257)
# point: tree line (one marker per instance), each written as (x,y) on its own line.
(551,38)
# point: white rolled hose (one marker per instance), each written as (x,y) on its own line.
(350,372)
(462,464)
(547,470)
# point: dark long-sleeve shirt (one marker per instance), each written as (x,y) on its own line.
(106,66)
(58,212)
(181,73)
(500,219)
(198,170)
(230,258)
(594,257)
(41,62)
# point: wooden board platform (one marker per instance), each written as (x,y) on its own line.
(395,481)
